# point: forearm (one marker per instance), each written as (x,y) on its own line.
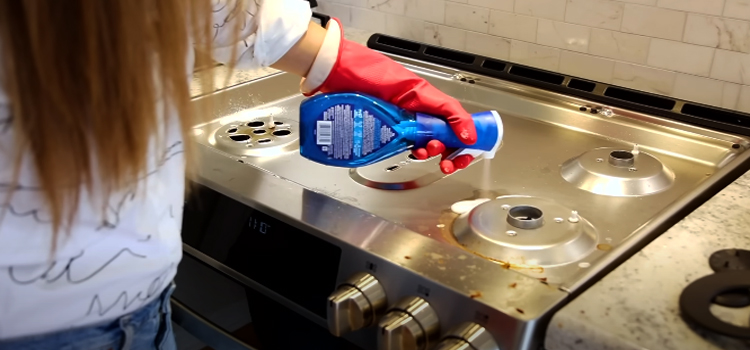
(301,56)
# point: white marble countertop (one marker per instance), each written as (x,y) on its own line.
(635,307)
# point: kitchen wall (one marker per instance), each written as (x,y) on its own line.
(693,49)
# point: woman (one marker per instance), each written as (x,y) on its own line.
(94,105)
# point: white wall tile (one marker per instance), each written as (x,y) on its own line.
(711,7)
(730,95)
(643,78)
(680,57)
(698,89)
(586,66)
(743,104)
(427,10)
(513,26)
(727,34)
(695,49)
(373,21)
(641,2)
(395,7)
(731,66)
(534,55)
(652,21)
(467,17)
(737,9)
(595,13)
(620,46)
(440,35)
(505,5)
(342,12)
(404,27)
(563,35)
(488,45)
(550,9)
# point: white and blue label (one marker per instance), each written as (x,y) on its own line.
(324,132)
(345,132)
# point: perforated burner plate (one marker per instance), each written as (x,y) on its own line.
(257,137)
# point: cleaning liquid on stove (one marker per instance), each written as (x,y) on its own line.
(353,130)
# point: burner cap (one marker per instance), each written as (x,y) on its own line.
(525,231)
(617,172)
(729,260)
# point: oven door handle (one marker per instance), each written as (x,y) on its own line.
(204,330)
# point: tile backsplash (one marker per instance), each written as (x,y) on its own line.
(697,50)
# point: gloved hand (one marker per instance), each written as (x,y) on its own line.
(345,66)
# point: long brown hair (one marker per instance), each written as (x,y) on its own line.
(84,78)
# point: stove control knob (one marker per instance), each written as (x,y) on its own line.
(454,344)
(468,336)
(355,304)
(411,324)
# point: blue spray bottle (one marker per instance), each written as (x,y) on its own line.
(352,130)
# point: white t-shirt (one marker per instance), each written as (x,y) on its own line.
(110,266)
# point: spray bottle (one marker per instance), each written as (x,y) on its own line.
(353,130)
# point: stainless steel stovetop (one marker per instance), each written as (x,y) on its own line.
(486,255)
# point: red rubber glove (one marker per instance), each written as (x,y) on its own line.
(345,66)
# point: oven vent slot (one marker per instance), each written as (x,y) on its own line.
(398,43)
(644,102)
(449,55)
(536,74)
(640,98)
(720,115)
(493,65)
(582,85)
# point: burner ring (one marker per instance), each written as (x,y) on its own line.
(523,236)
(697,297)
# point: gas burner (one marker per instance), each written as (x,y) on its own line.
(525,231)
(257,138)
(617,172)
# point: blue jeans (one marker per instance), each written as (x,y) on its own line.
(147,328)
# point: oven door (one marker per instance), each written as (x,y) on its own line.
(252,278)
(210,310)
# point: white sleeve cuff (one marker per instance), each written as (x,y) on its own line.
(269,29)
(325,60)
(281,24)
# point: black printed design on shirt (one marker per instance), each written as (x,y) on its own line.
(114,209)
(130,195)
(219,6)
(51,275)
(128,299)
